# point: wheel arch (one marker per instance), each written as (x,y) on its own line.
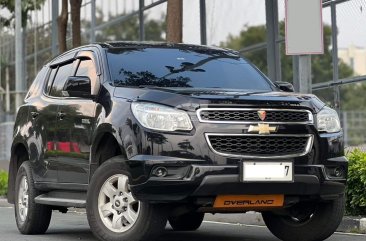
(105,146)
(19,154)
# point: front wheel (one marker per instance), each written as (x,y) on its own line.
(307,221)
(114,214)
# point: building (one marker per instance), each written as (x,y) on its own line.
(354,57)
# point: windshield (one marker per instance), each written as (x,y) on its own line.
(181,68)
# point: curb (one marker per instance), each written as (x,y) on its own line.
(4,203)
(348,225)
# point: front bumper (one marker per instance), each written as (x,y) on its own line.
(194,179)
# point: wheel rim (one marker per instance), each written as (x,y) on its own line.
(118,209)
(23,195)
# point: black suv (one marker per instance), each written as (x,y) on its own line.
(142,133)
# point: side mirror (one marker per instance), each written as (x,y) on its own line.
(285,86)
(77,86)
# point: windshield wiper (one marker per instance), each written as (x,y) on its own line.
(154,87)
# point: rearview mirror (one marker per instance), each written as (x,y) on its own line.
(77,86)
(285,86)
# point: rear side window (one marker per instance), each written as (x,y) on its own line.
(63,73)
(37,84)
(51,77)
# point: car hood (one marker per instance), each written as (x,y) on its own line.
(195,98)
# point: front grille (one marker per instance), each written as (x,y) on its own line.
(261,146)
(251,115)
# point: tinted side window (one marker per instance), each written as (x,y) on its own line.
(36,87)
(50,80)
(63,73)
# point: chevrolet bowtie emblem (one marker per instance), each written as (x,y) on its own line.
(262,128)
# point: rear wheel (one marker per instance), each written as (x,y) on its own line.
(307,221)
(114,214)
(31,218)
(187,222)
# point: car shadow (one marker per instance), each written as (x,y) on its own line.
(169,235)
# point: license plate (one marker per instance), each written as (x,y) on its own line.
(249,201)
(267,171)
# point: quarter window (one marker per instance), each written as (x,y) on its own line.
(37,84)
(50,79)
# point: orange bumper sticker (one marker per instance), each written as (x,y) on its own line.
(249,201)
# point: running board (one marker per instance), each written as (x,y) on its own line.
(62,198)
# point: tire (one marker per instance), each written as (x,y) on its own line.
(318,223)
(120,217)
(186,222)
(31,218)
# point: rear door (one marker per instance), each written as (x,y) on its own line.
(75,122)
(42,118)
(48,108)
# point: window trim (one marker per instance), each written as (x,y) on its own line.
(93,56)
(75,56)
(45,92)
(70,61)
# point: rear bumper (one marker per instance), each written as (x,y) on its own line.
(193,179)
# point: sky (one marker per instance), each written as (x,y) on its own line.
(230,16)
(226,17)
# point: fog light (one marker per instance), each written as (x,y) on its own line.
(160,172)
(338,172)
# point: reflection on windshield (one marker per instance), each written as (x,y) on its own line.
(177,68)
(146,78)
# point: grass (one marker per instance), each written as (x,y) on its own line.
(3,183)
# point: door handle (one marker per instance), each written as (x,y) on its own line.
(61,115)
(34,114)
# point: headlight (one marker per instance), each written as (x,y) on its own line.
(162,118)
(328,120)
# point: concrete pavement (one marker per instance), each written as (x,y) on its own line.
(4,165)
(74,226)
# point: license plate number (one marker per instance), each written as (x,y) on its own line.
(267,171)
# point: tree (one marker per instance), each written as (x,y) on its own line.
(174,21)
(322,67)
(75,19)
(27,5)
(128,30)
(62,26)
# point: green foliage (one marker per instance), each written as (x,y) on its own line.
(322,67)
(27,5)
(321,64)
(3,183)
(356,186)
(129,29)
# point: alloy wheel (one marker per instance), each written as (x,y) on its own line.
(118,209)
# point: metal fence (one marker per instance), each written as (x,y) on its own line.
(135,20)
(6,132)
(101,21)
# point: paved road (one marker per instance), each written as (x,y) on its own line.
(74,226)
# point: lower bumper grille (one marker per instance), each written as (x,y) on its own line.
(260,146)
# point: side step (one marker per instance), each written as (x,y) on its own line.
(62,198)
